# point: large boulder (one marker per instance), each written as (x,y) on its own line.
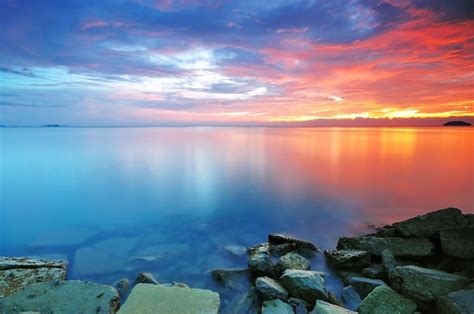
(301,245)
(383,300)
(402,247)
(322,307)
(458,302)
(19,272)
(293,260)
(425,284)
(351,298)
(276,307)
(270,289)
(64,297)
(458,242)
(304,284)
(364,286)
(431,223)
(260,261)
(150,299)
(348,259)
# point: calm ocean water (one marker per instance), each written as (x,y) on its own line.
(115,201)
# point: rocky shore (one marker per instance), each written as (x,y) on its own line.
(424,264)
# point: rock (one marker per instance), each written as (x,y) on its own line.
(299,306)
(122,286)
(384,300)
(19,272)
(293,260)
(322,307)
(146,298)
(233,279)
(260,262)
(282,249)
(388,260)
(351,298)
(364,286)
(375,272)
(430,224)
(403,247)
(457,123)
(270,289)
(276,307)
(469,219)
(332,298)
(66,297)
(425,284)
(148,278)
(304,284)
(347,259)
(458,242)
(236,250)
(245,303)
(303,245)
(458,302)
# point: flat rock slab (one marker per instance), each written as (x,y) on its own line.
(151,299)
(348,259)
(383,300)
(270,289)
(276,307)
(26,262)
(304,284)
(322,307)
(350,297)
(458,242)
(66,297)
(403,247)
(425,284)
(458,302)
(364,286)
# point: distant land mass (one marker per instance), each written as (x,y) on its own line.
(457,123)
(51,126)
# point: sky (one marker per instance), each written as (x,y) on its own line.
(188,62)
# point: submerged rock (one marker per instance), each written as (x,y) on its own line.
(304,284)
(260,262)
(322,307)
(425,284)
(459,302)
(146,298)
(293,260)
(276,307)
(19,272)
(403,247)
(303,245)
(245,303)
(270,289)
(364,286)
(348,259)
(122,286)
(458,242)
(351,298)
(234,279)
(430,224)
(65,297)
(236,250)
(383,300)
(144,277)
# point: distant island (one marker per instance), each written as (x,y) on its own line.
(51,126)
(457,123)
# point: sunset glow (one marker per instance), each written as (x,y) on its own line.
(143,62)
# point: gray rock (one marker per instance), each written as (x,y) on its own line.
(348,259)
(65,297)
(303,245)
(431,223)
(236,250)
(351,298)
(122,286)
(19,272)
(233,279)
(458,242)
(333,299)
(282,249)
(299,306)
(260,262)
(146,298)
(425,284)
(403,247)
(322,307)
(459,302)
(276,307)
(148,278)
(364,286)
(293,260)
(375,272)
(304,284)
(383,300)
(270,289)
(388,260)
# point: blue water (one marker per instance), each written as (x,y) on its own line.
(115,201)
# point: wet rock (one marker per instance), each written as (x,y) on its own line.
(236,250)
(233,279)
(425,284)
(19,272)
(65,297)
(304,284)
(348,259)
(299,306)
(384,300)
(375,272)
(403,247)
(122,286)
(245,303)
(322,307)
(458,302)
(270,289)
(303,245)
(364,286)
(148,278)
(146,298)
(469,219)
(276,307)
(431,223)
(260,262)
(333,299)
(388,260)
(293,260)
(351,298)
(458,242)
(282,249)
